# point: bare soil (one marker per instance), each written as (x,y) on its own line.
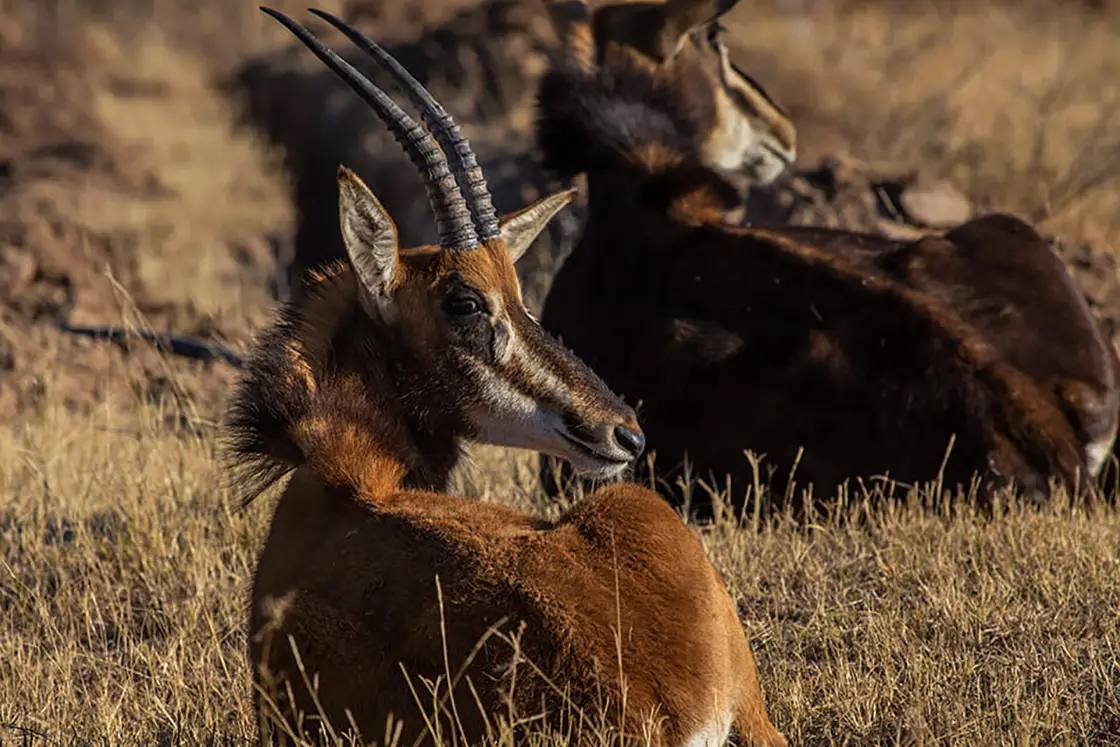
(125,198)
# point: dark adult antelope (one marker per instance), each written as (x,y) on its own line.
(873,356)
(368,387)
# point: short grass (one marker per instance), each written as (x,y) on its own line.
(125,565)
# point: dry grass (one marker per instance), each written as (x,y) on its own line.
(124,564)
(124,575)
(220,189)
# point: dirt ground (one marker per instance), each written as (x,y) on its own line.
(160,166)
(125,198)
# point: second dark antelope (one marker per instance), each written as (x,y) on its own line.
(849,355)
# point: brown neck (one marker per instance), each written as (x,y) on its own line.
(329,389)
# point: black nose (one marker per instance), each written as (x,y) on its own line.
(632,440)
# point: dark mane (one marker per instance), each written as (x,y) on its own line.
(276,390)
(305,397)
(588,122)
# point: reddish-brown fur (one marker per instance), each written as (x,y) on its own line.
(361,534)
(869,354)
(368,387)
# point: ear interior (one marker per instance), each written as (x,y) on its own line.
(370,237)
(520,229)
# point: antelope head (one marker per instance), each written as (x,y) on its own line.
(736,130)
(452,313)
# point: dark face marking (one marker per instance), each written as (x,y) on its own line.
(711,37)
(470,320)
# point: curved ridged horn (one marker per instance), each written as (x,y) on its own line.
(453,215)
(463,161)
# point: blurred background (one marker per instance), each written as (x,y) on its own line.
(172,164)
(168,166)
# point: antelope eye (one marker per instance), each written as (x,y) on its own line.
(462,305)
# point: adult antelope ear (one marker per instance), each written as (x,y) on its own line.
(520,229)
(682,16)
(572,21)
(370,237)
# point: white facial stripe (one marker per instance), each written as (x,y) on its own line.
(736,143)
(510,417)
(503,397)
(500,319)
(762,140)
(725,70)
(544,379)
(1097,452)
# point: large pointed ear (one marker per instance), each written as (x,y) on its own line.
(371,242)
(682,16)
(520,229)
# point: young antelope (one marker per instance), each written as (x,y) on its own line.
(374,581)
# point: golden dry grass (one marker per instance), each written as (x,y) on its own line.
(124,575)
(125,564)
(220,189)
